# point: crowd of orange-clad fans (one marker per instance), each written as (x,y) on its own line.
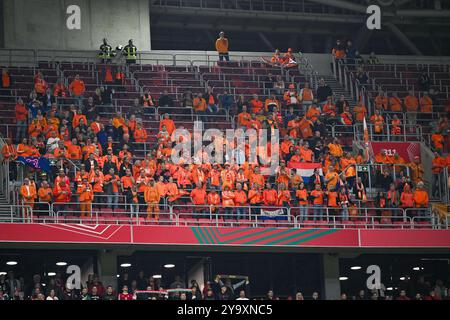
(109,172)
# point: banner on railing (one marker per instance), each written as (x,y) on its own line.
(273,213)
(36,163)
(406,150)
(305,170)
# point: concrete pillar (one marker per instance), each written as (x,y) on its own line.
(332,284)
(197,273)
(107,267)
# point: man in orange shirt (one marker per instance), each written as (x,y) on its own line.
(28,195)
(317,196)
(420,197)
(61,195)
(140,134)
(200,106)
(256,105)
(255,198)
(269,196)
(331,178)
(45,196)
(213,200)
(222,47)
(74,150)
(360,112)
(377,121)
(85,197)
(21,113)
(257,178)
(243,118)
(77,89)
(166,121)
(306,154)
(198,198)
(240,200)
(152,198)
(438,179)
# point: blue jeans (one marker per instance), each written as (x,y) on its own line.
(303,213)
(21,130)
(112,199)
(344,213)
(78,100)
(317,212)
(241,213)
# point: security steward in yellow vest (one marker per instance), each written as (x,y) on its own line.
(106,52)
(130,52)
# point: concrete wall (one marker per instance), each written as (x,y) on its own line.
(41,24)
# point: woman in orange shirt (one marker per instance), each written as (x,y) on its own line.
(301,195)
(284,196)
(213,200)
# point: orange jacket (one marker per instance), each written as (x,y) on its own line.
(283,196)
(420,198)
(270,197)
(318,196)
(411,103)
(77,87)
(198,196)
(85,192)
(395,104)
(9,152)
(254,196)
(28,193)
(45,194)
(151,195)
(302,196)
(222,45)
(61,194)
(227,198)
(426,104)
(213,199)
(240,198)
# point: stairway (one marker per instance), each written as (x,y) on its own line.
(338,89)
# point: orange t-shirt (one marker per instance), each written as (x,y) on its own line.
(318,196)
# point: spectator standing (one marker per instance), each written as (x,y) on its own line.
(222,47)
(77,89)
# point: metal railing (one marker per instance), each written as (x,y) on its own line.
(250,216)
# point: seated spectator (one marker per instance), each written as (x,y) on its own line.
(271,103)
(373,59)
(187,99)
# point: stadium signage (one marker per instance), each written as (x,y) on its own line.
(73,21)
